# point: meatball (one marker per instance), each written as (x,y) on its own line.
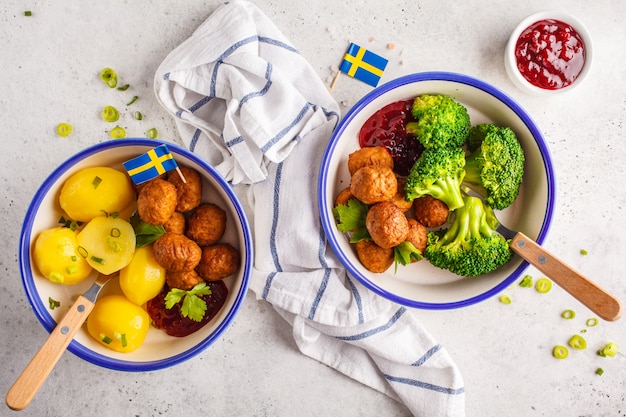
(189,192)
(399,199)
(176,223)
(176,252)
(387,224)
(373,257)
(218,261)
(206,224)
(156,201)
(373,184)
(418,235)
(373,155)
(343,197)
(185,280)
(430,212)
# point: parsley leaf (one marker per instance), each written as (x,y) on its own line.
(193,305)
(351,218)
(145,233)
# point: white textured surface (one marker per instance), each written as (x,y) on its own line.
(49,66)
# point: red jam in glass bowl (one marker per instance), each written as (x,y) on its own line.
(550,54)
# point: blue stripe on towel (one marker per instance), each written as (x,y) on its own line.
(283,132)
(194,140)
(320,255)
(357,298)
(261,93)
(276,204)
(376,330)
(427,355)
(425,385)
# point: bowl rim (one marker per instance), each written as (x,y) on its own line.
(41,311)
(328,221)
(511,62)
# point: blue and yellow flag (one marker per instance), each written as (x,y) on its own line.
(150,165)
(363,65)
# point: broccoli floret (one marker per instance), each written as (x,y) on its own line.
(470,246)
(438,172)
(495,166)
(440,121)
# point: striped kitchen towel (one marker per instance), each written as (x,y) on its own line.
(248,103)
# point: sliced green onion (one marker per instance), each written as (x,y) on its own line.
(543,285)
(110,114)
(53,303)
(28,13)
(114,245)
(577,342)
(568,314)
(74,258)
(96,181)
(132,100)
(592,322)
(610,349)
(137,115)
(123,87)
(560,352)
(98,260)
(82,251)
(117,132)
(109,76)
(584,252)
(124,343)
(71,269)
(64,129)
(526,282)
(599,371)
(505,299)
(56,277)
(153,133)
(115,232)
(105,339)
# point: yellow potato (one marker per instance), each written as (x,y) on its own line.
(108,243)
(57,257)
(95,191)
(143,278)
(118,324)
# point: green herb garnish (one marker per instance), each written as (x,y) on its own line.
(96,181)
(351,218)
(132,100)
(405,253)
(526,282)
(145,233)
(53,303)
(193,305)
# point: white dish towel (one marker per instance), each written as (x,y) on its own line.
(250,105)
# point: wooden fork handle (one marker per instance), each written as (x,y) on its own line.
(590,294)
(40,366)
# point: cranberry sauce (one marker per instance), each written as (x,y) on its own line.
(550,54)
(387,127)
(172,321)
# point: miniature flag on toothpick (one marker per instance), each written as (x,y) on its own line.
(363,65)
(151,164)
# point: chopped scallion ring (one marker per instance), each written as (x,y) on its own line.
(505,299)
(117,132)
(526,282)
(105,339)
(109,76)
(543,285)
(132,100)
(64,129)
(28,13)
(599,371)
(592,322)
(137,115)
(53,303)
(568,314)
(577,342)
(110,114)
(98,260)
(82,252)
(610,349)
(584,252)
(153,133)
(96,181)
(560,352)
(123,87)
(115,232)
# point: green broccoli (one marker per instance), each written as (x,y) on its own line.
(440,121)
(495,166)
(439,173)
(470,246)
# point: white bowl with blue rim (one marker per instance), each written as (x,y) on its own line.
(159,350)
(421,285)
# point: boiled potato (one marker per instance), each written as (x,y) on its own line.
(143,278)
(108,243)
(57,257)
(95,191)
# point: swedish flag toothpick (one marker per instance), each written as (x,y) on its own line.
(362,64)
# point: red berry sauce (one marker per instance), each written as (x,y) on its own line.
(387,127)
(550,54)
(172,321)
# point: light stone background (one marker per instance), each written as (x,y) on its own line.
(49,65)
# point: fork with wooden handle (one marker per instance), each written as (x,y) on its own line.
(40,366)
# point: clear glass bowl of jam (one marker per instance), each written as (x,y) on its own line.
(548,52)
